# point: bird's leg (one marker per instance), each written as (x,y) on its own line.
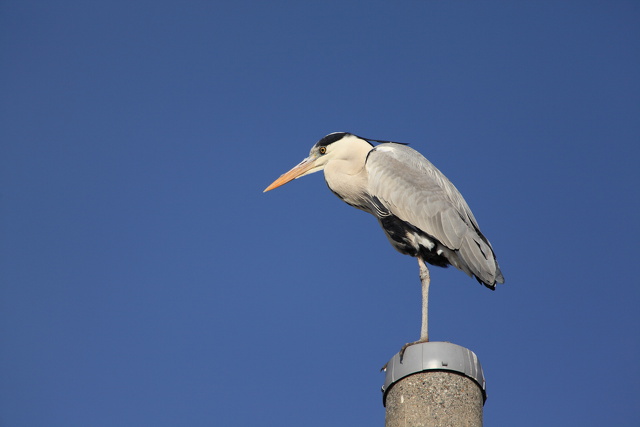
(425,279)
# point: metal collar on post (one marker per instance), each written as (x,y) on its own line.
(433,356)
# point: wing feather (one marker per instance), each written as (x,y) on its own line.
(415,191)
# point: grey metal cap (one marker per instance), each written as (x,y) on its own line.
(433,356)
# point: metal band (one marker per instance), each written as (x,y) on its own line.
(434,356)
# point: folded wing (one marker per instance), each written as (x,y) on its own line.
(416,192)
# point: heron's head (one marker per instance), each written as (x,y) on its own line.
(337,145)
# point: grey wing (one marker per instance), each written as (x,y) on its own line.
(415,191)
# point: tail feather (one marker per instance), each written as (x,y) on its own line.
(480,259)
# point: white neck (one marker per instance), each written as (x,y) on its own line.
(345,172)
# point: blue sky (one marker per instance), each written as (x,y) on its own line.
(145,279)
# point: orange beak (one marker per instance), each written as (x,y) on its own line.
(304,167)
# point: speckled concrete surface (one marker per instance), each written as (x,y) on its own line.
(434,399)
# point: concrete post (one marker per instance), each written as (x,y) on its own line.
(436,384)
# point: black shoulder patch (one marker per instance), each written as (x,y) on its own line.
(331,138)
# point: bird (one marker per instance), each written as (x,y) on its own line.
(421,212)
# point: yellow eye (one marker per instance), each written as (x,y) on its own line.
(322,150)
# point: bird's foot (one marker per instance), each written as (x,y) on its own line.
(404,347)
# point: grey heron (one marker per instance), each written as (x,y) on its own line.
(421,212)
